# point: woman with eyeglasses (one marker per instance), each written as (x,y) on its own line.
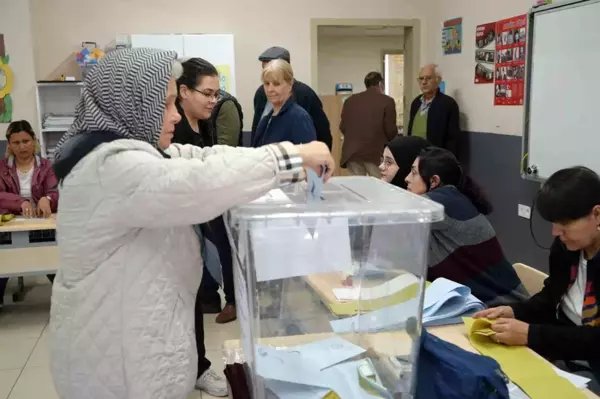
(287,121)
(398,157)
(198,91)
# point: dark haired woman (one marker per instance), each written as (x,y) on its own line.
(27,182)
(198,92)
(561,322)
(463,248)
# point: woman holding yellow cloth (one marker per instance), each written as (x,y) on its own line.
(562,321)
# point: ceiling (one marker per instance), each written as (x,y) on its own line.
(331,30)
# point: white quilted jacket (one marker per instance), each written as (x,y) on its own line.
(122,317)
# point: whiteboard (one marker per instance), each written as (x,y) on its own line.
(562,107)
(161,42)
(216,49)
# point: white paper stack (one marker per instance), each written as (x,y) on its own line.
(58,121)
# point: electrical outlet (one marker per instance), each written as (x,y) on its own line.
(524,211)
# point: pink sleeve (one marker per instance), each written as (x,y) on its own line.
(51,187)
(10,201)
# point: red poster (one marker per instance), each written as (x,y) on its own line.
(510,61)
(485,53)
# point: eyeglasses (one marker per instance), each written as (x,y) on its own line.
(387,162)
(422,79)
(210,96)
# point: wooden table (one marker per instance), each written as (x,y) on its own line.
(25,258)
(323,285)
(19,229)
(388,343)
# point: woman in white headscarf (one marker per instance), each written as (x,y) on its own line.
(122,317)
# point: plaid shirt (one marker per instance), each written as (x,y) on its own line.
(289,163)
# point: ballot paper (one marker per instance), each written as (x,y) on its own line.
(380,291)
(445,302)
(303,364)
(341,379)
(315,185)
(285,248)
(313,370)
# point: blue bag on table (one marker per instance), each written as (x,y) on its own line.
(446,371)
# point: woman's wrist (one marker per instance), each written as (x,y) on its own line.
(289,162)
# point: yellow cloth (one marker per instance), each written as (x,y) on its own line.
(350,308)
(530,372)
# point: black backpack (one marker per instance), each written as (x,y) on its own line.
(223,97)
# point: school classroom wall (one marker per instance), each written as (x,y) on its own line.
(492,133)
(59,27)
(15,25)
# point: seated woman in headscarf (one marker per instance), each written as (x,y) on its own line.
(122,316)
(398,157)
(463,247)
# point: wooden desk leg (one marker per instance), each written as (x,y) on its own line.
(19,296)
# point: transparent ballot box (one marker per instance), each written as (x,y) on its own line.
(329,293)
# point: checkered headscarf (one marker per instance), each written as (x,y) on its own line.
(125,94)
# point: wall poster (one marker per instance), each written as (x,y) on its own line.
(6,83)
(452,36)
(511,36)
(485,53)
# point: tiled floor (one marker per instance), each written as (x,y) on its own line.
(24,357)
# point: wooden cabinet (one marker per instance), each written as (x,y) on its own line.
(332,105)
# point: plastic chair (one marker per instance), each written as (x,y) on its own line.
(532,279)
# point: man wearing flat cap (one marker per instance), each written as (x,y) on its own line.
(302,94)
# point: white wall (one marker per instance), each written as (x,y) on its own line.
(476,101)
(347,59)
(59,26)
(15,24)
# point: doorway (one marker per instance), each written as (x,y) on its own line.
(393,75)
(405,55)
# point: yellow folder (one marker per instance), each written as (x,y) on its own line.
(529,371)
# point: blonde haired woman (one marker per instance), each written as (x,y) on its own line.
(287,121)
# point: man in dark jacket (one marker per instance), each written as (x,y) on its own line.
(302,94)
(368,124)
(434,115)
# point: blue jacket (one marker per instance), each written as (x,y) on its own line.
(292,124)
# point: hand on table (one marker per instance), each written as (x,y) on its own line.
(27,209)
(43,209)
(315,156)
(511,332)
(505,312)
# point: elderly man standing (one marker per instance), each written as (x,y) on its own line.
(434,115)
(368,124)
